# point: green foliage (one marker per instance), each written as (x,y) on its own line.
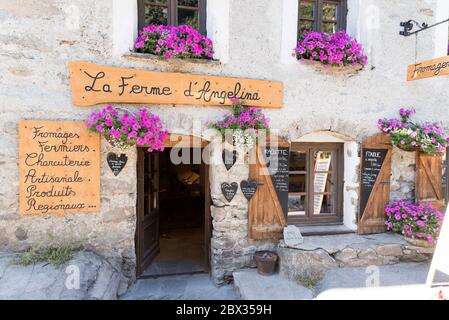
(310,278)
(54,255)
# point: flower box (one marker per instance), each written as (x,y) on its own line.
(181,41)
(333,50)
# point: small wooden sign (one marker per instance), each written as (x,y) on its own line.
(93,84)
(428,69)
(59,167)
(116,163)
(248,188)
(229,190)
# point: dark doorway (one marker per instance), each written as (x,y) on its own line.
(173,225)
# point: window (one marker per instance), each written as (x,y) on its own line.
(315,183)
(173,12)
(321,15)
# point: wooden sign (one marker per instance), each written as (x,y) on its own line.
(374,191)
(278,167)
(428,69)
(229,158)
(248,188)
(116,163)
(229,190)
(93,84)
(59,167)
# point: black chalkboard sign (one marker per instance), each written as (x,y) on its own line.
(116,163)
(278,165)
(229,190)
(248,188)
(372,161)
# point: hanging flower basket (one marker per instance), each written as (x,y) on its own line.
(123,129)
(243,126)
(408,148)
(425,137)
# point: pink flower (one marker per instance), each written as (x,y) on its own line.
(99,128)
(139,44)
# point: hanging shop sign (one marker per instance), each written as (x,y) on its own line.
(93,84)
(59,167)
(428,69)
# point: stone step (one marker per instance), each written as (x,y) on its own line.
(249,285)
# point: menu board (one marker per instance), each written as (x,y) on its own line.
(278,165)
(372,161)
(59,167)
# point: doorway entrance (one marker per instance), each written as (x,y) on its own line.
(173,213)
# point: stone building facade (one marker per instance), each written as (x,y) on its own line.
(252,39)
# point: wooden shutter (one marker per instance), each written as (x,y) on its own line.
(374,185)
(266,219)
(428,185)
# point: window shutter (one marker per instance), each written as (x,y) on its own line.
(266,218)
(428,186)
(374,195)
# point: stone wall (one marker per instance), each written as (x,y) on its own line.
(230,247)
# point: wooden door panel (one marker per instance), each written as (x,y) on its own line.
(147,227)
(266,218)
(429,186)
(372,210)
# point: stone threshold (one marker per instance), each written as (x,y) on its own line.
(323,230)
(320,253)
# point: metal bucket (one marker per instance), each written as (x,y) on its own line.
(265,262)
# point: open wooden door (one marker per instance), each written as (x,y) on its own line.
(147,228)
(429,174)
(207,218)
(375,172)
(266,215)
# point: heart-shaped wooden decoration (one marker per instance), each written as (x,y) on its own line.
(116,163)
(249,188)
(229,158)
(229,190)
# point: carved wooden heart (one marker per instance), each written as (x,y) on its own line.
(249,188)
(116,163)
(229,190)
(229,158)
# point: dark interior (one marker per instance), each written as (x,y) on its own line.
(181,222)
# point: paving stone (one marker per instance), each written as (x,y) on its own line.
(180,287)
(252,286)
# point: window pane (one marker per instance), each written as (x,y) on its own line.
(306,9)
(188,3)
(330,11)
(296,205)
(156,12)
(297,161)
(305,25)
(329,27)
(324,205)
(189,17)
(297,183)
